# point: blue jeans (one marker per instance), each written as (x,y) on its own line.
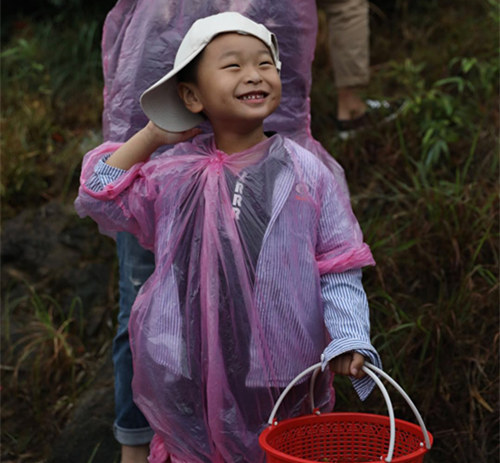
(135,265)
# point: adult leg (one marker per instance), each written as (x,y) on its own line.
(348,29)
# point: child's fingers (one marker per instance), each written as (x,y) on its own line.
(341,364)
(355,367)
(170,138)
(177,137)
(192,132)
(348,364)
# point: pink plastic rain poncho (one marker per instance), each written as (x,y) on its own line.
(214,341)
(233,310)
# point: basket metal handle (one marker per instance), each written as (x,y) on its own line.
(372,371)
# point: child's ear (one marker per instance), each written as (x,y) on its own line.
(189,95)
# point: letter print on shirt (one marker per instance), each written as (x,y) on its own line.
(238,195)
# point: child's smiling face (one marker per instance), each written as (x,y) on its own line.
(237,83)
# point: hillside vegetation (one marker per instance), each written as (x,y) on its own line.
(424,188)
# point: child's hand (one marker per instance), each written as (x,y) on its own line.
(349,363)
(160,137)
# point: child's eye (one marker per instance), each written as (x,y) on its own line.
(232,65)
(266,63)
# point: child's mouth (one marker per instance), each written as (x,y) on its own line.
(253,96)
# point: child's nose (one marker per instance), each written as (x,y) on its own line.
(253,76)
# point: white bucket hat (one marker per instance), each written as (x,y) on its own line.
(161,102)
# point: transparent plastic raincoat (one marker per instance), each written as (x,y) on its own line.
(233,310)
(243,243)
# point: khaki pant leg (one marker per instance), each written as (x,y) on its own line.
(348,40)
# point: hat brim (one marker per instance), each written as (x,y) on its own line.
(162,95)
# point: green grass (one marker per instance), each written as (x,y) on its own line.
(425,190)
(51,89)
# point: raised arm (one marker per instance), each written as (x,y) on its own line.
(144,143)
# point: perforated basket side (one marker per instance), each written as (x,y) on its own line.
(341,438)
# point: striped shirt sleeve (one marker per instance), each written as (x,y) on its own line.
(103,175)
(346,315)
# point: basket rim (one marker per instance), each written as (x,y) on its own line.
(291,423)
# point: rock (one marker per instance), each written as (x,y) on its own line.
(52,250)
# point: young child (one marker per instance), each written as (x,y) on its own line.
(256,248)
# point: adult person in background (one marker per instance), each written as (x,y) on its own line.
(140,38)
(349,49)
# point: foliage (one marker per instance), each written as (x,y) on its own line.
(425,190)
(49,98)
(46,365)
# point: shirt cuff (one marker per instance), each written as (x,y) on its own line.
(104,174)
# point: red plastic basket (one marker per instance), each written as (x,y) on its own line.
(346,437)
